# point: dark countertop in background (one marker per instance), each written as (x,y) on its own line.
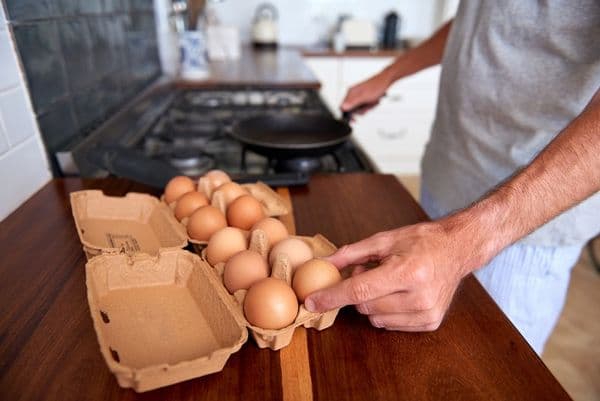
(329,52)
(282,67)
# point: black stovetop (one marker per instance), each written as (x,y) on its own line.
(191,135)
(168,131)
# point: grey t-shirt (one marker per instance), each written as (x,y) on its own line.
(514,74)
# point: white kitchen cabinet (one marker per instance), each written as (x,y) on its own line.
(395,132)
(328,72)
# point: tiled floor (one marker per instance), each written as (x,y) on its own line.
(573,350)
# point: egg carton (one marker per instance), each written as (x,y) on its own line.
(175,304)
(272,203)
(281,269)
(130,224)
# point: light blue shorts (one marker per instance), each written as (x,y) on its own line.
(528,282)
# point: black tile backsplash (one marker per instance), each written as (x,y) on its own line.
(77,51)
(59,125)
(39,46)
(31,9)
(82,60)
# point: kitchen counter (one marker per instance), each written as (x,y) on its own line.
(281,68)
(329,52)
(49,348)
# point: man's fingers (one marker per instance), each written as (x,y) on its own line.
(366,250)
(399,302)
(410,321)
(347,104)
(357,289)
(358,269)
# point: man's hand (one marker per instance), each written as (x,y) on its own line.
(367,93)
(425,55)
(420,267)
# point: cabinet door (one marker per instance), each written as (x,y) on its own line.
(328,72)
(394,142)
(395,132)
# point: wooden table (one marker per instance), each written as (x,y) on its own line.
(48,348)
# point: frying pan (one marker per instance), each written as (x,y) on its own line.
(286,136)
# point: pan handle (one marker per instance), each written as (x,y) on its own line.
(347,115)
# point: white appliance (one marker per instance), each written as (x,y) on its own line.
(223,42)
(264,26)
(358,33)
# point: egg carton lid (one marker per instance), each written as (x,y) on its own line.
(131,224)
(170,303)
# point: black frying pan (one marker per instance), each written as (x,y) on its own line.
(290,136)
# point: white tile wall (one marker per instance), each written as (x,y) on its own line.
(23,163)
(23,170)
(17,116)
(4,146)
(9,68)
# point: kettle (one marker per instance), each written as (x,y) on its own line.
(264,26)
(391,26)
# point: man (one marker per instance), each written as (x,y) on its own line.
(511,171)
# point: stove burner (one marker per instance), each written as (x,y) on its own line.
(191,161)
(298,165)
(244,98)
(286,99)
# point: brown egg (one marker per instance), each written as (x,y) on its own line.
(188,203)
(204,222)
(244,212)
(296,250)
(273,228)
(216,178)
(231,191)
(178,186)
(224,244)
(271,304)
(244,269)
(314,275)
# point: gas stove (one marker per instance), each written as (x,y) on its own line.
(192,134)
(186,131)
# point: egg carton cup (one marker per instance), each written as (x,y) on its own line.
(281,269)
(130,224)
(272,203)
(161,319)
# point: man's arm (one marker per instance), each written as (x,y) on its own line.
(420,266)
(425,55)
(565,173)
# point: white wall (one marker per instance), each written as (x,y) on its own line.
(309,21)
(23,163)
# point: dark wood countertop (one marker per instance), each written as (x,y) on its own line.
(282,68)
(49,348)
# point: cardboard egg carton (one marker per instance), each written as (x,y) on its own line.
(281,269)
(142,223)
(175,304)
(134,223)
(272,203)
(147,293)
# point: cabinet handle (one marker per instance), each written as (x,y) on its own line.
(390,135)
(394,98)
